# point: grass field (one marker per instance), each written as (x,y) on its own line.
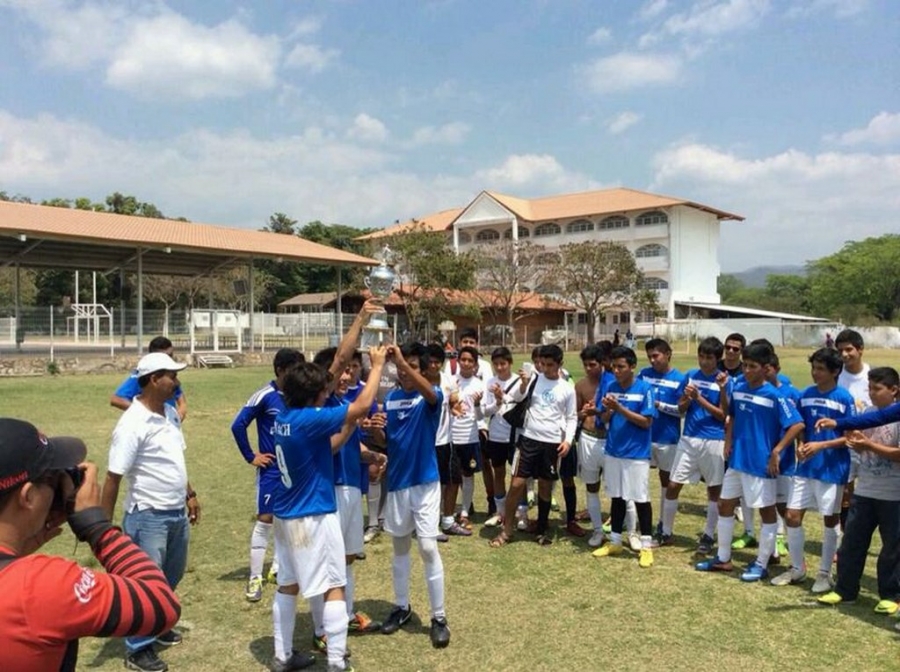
(522,606)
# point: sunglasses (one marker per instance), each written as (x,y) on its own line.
(733,348)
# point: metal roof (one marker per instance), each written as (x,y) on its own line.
(752,312)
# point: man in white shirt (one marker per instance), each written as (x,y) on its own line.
(147,449)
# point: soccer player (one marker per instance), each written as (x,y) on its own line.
(666,429)
(875,502)
(700,452)
(629,409)
(821,471)
(500,439)
(761,423)
(414,491)
(546,437)
(466,417)
(730,363)
(307,526)
(129,389)
(591,442)
(262,408)
(447,470)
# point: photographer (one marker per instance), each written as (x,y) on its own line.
(46,602)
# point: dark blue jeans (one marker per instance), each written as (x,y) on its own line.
(867,514)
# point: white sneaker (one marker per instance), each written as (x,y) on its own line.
(596,540)
(823,583)
(790,577)
(522,518)
(634,541)
(494,521)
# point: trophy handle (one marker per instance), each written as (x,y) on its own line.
(366,280)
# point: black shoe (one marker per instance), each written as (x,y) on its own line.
(471,510)
(396,620)
(170,638)
(145,660)
(297,661)
(440,633)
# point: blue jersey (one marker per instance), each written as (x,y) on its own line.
(130,388)
(625,439)
(787,461)
(831,465)
(262,408)
(760,417)
(347,461)
(412,425)
(698,422)
(666,427)
(606,379)
(303,448)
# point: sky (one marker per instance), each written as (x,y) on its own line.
(363,112)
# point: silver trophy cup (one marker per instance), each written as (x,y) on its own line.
(380,283)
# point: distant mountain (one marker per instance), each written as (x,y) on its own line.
(756,276)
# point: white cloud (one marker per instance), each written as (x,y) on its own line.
(305,27)
(600,36)
(629,70)
(842,9)
(531,175)
(706,20)
(622,122)
(652,9)
(798,206)
(367,129)
(883,129)
(310,57)
(449,134)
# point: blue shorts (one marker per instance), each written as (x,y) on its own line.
(268,481)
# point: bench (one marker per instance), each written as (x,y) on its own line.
(209,361)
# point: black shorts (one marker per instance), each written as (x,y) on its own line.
(498,453)
(568,466)
(467,457)
(448,472)
(536,459)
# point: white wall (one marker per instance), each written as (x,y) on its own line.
(694,240)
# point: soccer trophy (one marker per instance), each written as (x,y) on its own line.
(380,283)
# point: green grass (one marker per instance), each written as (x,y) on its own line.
(520,606)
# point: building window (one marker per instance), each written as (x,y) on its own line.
(580,226)
(464,238)
(523,233)
(547,229)
(654,283)
(653,250)
(487,236)
(651,218)
(617,222)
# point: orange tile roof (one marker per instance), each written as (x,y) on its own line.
(437,221)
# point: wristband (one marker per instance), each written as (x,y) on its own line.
(89,524)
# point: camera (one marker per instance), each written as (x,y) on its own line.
(61,502)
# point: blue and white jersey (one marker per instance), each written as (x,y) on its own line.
(130,388)
(262,408)
(787,461)
(831,465)
(411,430)
(303,448)
(625,439)
(760,417)
(666,427)
(606,379)
(347,461)
(698,422)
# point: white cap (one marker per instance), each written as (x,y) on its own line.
(157,361)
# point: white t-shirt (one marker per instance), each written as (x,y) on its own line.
(857,384)
(448,385)
(148,450)
(879,477)
(464,427)
(552,416)
(498,428)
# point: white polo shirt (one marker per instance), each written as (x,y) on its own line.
(148,450)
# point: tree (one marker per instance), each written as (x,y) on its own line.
(728,286)
(322,278)
(597,276)
(862,275)
(27,290)
(281,223)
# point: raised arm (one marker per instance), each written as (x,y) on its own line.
(348,342)
(419,381)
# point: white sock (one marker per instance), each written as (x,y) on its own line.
(767,533)
(274,568)
(335,617)
(529,486)
(284,611)
(748,519)
(725,529)
(829,548)
(712,518)
(373,498)
(316,611)
(669,509)
(434,575)
(662,503)
(615,538)
(400,570)
(646,541)
(500,503)
(349,589)
(796,538)
(593,507)
(468,493)
(630,517)
(780,529)
(259,542)
(446,521)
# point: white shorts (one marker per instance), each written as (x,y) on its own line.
(663,455)
(311,553)
(756,492)
(349,503)
(811,493)
(699,458)
(591,457)
(414,509)
(627,479)
(783,489)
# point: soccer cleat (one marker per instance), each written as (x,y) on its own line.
(440,633)
(833,599)
(297,661)
(607,526)
(361,555)
(791,577)
(645,559)
(441,537)
(372,531)
(170,638)
(522,518)
(823,583)
(145,660)
(714,565)
(361,624)
(608,550)
(781,548)
(596,540)
(705,545)
(575,529)
(272,576)
(634,541)
(662,540)
(456,530)
(319,643)
(494,521)
(887,607)
(396,620)
(746,540)
(254,589)
(754,572)
(554,505)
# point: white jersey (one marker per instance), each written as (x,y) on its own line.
(857,384)
(464,427)
(498,428)
(448,385)
(552,416)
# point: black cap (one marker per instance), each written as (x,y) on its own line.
(26,454)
